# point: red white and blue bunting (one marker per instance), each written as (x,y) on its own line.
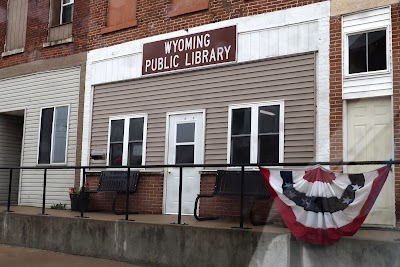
(320,206)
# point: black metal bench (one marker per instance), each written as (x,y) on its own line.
(115,181)
(228,184)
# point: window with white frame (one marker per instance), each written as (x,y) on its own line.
(61,12)
(53,135)
(256,133)
(67,11)
(367,51)
(126,140)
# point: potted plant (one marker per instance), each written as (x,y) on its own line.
(76,197)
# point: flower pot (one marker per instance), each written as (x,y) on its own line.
(76,201)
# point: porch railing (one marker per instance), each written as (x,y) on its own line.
(180,167)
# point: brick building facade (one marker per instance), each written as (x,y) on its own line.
(341,93)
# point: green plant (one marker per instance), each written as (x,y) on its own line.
(59,206)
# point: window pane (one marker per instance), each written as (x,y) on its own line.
(136,129)
(357,53)
(185,132)
(135,154)
(117,131)
(240,150)
(268,151)
(67,13)
(46,128)
(268,119)
(116,155)
(241,121)
(377,50)
(60,134)
(184,154)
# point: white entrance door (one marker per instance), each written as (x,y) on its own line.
(185,146)
(369,137)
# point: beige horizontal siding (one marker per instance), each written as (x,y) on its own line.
(31,93)
(291,79)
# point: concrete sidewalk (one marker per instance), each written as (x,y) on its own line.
(21,257)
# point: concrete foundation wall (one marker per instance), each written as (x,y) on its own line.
(174,245)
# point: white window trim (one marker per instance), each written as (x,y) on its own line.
(254,129)
(62,10)
(367,73)
(125,144)
(52,138)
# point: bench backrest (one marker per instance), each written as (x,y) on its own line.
(116,181)
(228,183)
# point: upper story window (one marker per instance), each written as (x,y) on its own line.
(256,133)
(121,14)
(61,12)
(53,135)
(367,52)
(17,13)
(127,140)
(67,11)
(180,7)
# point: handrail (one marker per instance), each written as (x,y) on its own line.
(128,168)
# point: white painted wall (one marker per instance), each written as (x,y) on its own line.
(379,83)
(296,30)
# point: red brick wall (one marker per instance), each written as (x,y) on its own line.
(37,30)
(336,103)
(153,17)
(148,198)
(396,96)
(336,106)
(229,207)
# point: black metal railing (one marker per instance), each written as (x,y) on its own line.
(181,167)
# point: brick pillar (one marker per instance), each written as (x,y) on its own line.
(336,102)
(396,97)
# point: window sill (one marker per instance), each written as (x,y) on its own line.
(200,5)
(366,74)
(13,52)
(118,27)
(58,42)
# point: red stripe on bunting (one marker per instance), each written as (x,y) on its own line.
(328,236)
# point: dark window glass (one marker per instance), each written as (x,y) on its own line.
(135,153)
(136,129)
(268,149)
(268,119)
(240,150)
(117,131)
(46,128)
(116,154)
(60,134)
(184,154)
(67,13)
(357,53)
(241,121)
(135,146)
(116,142)
(377,50)
(185,132)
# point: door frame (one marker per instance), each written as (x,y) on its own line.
(345,141)
(167,131)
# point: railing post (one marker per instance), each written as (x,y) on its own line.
(127,195)
(83,191)
(9,191)
(180,195)
(241,196)
(44,191)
